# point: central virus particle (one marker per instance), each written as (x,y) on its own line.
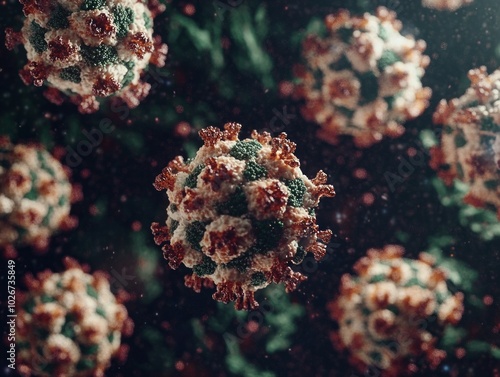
(386,312)
(89,49)
(450,5)
(35,196)
(69,324)
(363,78)
(240,212)
(470,142)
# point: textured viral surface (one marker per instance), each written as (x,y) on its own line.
(89,49)
(470,142)
(35,196)
(363,78)
(446,4)
(240,212)
(69,324)
(387,310)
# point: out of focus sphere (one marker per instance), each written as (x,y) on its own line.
(387,310)
(470,143)
(450,5)
(69,324)
(35,195)
(363,79)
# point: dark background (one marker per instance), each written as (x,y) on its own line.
(213,76)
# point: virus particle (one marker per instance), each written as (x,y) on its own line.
(362,79)
(386,312)
(239,213)
(35,196)
(89,49)
(470,142)
(450,5)
(69,324)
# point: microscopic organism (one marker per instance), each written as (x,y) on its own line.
(388,311)
(363,79)
(89,49)
(69,324)
(450,5)
(35,196)
(470,143)
(240,212)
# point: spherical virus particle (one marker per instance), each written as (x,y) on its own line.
(386,312)
(69,324)
(89,49)
(35,196)
(363,78)
(450,5)
(470,142)
(239,213)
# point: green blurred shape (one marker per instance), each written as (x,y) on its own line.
(237,364)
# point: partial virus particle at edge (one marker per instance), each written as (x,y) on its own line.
(89,49)
(363,79)
(450,5)
(70,324)
(387,312)
(470,143)
(35,196)
(240,212)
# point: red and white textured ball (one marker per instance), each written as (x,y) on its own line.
(469,150)
(69,324)
(240,212)
(363,78)
(89,49)
(35,196)
(385,311)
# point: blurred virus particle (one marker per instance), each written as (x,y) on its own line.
(89,49)
(470,143)
(386,312)
(450,5)
(35,196)
(363,78)
(69,324)
(240,212)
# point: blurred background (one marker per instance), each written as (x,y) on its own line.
(225,63)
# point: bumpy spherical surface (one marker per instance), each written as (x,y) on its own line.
(69,324)
(35,196)
(446,4)
(386,311)
(470,142)
(363,79)
(89,48)
(240,212)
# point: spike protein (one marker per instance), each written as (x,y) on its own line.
(240,212)
(470,144)
(35,196)
(363,79)
(89,49)
(385,312)
(69,324)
